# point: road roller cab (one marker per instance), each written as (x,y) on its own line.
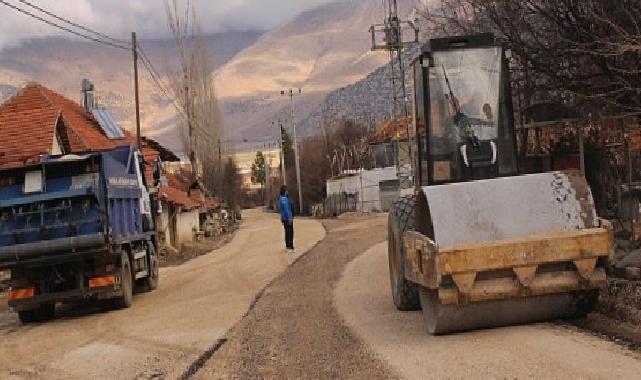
(463,111)
(478,245)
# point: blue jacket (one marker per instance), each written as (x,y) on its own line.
(286,213)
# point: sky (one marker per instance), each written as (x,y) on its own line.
(118,18)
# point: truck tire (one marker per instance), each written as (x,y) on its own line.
(43,313)
(151,282)
(401,219)
(126,283)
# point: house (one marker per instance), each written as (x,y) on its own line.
(365,190)
(390,145)
(178,220)
(187,213)
(38,121)
(375,186)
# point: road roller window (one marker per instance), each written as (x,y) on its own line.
(464,106)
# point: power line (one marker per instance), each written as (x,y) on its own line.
(51,23)
(155,76)
(51,14)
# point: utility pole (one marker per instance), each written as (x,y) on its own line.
(267,167)
(394,43)
(283,171)
(220,169)
(134,49)
(190,128)
(296,160)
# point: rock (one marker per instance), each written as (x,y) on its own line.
(630,259)
(632,273)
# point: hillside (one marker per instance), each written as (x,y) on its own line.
(61,64)
(323,51)
(320,50)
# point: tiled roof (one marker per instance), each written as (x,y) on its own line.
(150,156)
(28,122)
(177,197)
(393,130)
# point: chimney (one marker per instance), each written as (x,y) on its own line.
(87,95)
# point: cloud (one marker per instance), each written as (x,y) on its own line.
(119,18)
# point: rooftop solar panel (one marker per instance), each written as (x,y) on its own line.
(107,123)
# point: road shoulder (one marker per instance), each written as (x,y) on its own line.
(532,351)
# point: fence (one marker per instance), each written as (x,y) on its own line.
(337,204)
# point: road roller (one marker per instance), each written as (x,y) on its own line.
(478,244)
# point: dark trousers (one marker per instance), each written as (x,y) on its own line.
(289,234)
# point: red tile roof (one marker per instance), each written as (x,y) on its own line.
(177,197)
(29,120)
(393,130)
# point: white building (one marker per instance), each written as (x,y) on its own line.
(374,190)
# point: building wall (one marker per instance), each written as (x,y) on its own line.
(368,190)
(164,225)
(186,223)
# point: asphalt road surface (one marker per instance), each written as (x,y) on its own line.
(165,331)
(541,351)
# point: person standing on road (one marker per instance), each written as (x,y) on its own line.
(287,217)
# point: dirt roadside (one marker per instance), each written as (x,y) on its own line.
(543,350)
(165,331)
(293,331)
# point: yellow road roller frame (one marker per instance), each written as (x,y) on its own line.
(427,265)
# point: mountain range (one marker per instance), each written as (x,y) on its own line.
(60,64)
(320,51)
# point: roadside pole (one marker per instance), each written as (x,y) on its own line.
(283,170)
(267,167)
(296,160)
(134,49)
(296,156)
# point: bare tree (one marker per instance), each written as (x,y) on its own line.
(583,53)
(193,86)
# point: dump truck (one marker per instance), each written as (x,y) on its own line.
(478,244)
(76,227)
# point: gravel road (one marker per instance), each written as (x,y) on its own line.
(538,351)
(165,331)
(293,331)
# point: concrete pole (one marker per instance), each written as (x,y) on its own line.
(267,175)
(296,159)
(283,171)
(134,49)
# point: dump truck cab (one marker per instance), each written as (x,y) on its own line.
(479,245)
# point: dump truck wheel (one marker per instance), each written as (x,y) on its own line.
(126,283)
(28,316)
(43,313)
(47,311)
(401,219)
(154,267)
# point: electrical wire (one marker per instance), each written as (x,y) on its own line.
(51,14)
(113,42)
(51,23)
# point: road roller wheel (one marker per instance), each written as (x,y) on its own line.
(443,319)
(401,219)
